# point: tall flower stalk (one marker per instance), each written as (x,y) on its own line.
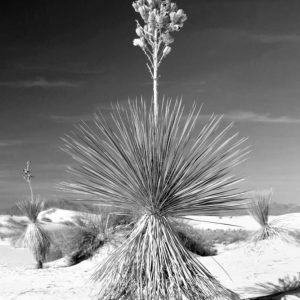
(161,18)
(158,172)
(27,175)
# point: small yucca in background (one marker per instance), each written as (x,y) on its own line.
(35,236)
(158,171)
(259,209)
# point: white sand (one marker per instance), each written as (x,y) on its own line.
(249,265)
(246,265)
(291,221)
(25,282)
(59,215)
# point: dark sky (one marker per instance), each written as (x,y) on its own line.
(62,60)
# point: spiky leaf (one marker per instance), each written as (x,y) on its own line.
(157,170)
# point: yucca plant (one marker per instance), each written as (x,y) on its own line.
(259,209)
(34,237)
(159,172)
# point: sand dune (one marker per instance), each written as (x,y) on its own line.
(59,215)
(246,222)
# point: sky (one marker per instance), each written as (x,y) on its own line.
(62,60)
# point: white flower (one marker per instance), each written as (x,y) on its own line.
(166,51)
(167,38)
(180,12)
(135,6)
(173,6)
(139,32)
(172,16)
(138,42)
(181,16)
(142,11)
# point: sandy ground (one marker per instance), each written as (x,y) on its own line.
(246,265)
(24,282)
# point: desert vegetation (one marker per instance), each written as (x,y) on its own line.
(89,233)
(259,209)
(148,169)
(285,287)
(35,237)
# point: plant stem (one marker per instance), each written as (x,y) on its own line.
(155,77)
(31,192)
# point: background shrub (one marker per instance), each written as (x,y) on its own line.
(194,240)
(54,253)
(203,241)
(226,237)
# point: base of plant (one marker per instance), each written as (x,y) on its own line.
(153,264)
(268,232)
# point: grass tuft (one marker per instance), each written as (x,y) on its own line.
(194,240)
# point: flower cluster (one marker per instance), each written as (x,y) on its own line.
(27,174)
(160,17)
